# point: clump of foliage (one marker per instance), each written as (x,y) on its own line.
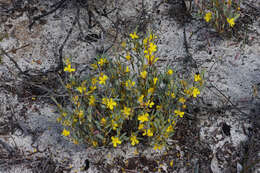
(221,14)
(126,98)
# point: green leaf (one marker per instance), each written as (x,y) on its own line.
(89,117)
(99,136)
(54,100)
(98,125)
(236,16)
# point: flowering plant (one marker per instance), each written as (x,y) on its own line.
(126,98)
(222,14)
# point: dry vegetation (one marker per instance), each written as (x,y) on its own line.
(102,21)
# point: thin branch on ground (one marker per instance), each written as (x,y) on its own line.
(60,66)
(7,147)
(234,106)
(11,59)
(36,18)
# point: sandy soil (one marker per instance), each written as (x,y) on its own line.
(222,137)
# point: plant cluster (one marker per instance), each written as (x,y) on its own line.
(221,14)
(126,98)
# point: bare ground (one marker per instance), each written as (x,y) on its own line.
(222,135)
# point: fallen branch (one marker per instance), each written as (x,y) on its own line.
(60,66)
(58,5)
(7,147)
(228,100)
(15,63)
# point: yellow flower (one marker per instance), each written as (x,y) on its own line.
(178,113)
(81,114)
(152,48)
(169,129)
(149,132)
(126,111)
(75,141)
(68,86)
(184,83)
(66,123)
(166,135)
(64,114)
(102,61)
(134,36)
(128,57)
(127,69)
(151,90)
(159,107)
(133,139)
(103,121)
(143,74)
(149,104)
(92,100)
(136,152)
(197,77)
(67,61)
(133,83)
(140,99)
(171,163)
(81,89)
(195,92)
(59,119)
(170,72)
(111,103)
(188,91)
(231,21)
(155,80)
(157,147)
(105,101)
(69,69)
(92,88)
(65,132)
(151,59)
(115,141)
(94,66)
(152,36)
(208,16)
(182,100)
(144,133)
(94,143)
(102,79)
(75,99)
(73,83)
(75,120)
(173,95)
(123,44)
(229,2)
(144,117)
(141,126)
(145,40)
(93,80)
(129,83)
(114,125)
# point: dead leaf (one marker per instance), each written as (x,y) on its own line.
(38,62)
(255,90)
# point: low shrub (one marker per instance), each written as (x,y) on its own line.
(126,98)
(221,14)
